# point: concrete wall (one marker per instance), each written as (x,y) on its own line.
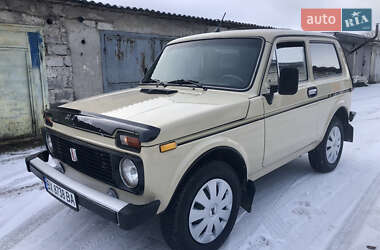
(72,42)
(86,57)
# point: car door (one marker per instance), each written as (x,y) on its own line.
(329,77)
(290,119)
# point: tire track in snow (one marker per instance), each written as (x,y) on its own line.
(345,237)
(267,226)
(274,222)
(22,189)
(17,181)
(28,226)
(7,157)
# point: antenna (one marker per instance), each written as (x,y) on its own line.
(220,23)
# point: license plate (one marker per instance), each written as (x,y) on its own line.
(61,193)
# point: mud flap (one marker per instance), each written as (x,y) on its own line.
(248,195)
(348,129)
(348,133)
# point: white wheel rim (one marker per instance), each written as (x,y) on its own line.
(210,211)
(333,145)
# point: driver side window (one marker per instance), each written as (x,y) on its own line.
(287,54)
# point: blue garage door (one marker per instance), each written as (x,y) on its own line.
(125,56)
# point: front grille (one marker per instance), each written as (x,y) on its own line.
(92,162)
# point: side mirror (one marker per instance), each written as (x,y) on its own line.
(273,89)
(288,83)
(145,70)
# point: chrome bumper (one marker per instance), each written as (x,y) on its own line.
(126,215)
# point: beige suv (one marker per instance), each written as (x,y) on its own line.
(214,113)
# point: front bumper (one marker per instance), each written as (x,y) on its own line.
(126,215)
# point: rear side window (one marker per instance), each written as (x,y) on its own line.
(324,60)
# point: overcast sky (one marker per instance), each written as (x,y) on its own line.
(280,13)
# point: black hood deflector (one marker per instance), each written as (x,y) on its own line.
(101,124)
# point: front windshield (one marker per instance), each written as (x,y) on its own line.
(224,63)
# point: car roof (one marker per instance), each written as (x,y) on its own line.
(268,34)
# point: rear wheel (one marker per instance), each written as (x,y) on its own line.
(326,156)
(203,212)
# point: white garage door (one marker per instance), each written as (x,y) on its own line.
(21,85)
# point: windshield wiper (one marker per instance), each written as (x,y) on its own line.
(185,82)
(154,81)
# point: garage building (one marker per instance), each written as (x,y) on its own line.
(364,63)
(56,51)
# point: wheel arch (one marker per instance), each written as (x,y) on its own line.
(234,159)
(342,114)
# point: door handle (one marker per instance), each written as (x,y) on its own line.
(312,92)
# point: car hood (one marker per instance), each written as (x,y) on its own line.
(185,112)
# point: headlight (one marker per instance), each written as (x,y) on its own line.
(49,143)
(128,173)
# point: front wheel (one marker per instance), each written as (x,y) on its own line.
(326,156)
(204,210)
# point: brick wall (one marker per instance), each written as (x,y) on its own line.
(59,72)
(58,63)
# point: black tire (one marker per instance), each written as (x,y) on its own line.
(174,221)
(318,156)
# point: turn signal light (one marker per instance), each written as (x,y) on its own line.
(168,146)
(129,141)
(48,119)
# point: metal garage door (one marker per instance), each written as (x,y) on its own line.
(125,56)
(21,98)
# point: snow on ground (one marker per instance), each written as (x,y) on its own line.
(294,209)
